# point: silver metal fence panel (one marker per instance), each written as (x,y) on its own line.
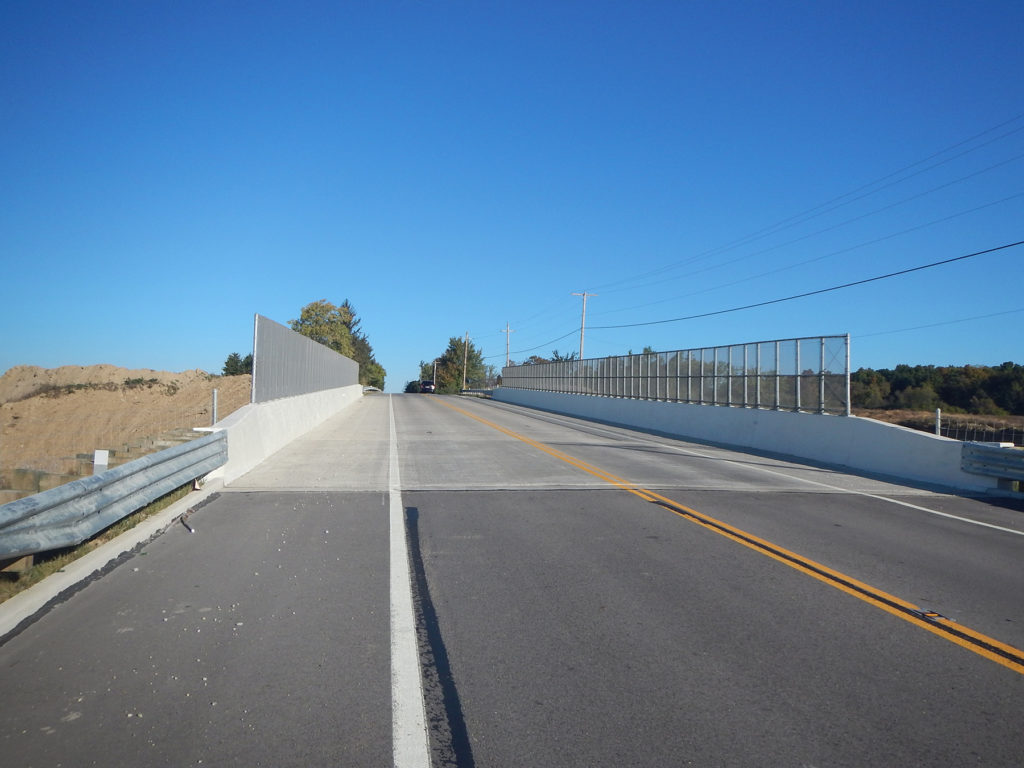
(706,377)
(785,375)
(808,374)
(286,363)
(69,514)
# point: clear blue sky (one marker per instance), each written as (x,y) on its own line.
(168,169)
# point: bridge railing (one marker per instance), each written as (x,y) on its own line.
(810,374)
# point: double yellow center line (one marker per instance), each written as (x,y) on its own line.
(983,645)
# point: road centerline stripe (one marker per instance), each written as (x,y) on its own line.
(688,451)
(976,642)
(408,718)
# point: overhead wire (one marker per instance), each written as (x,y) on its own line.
(936,325)
(814,259)
(794,297)
(818,291)
(843,224)
(818,210)
(852,196)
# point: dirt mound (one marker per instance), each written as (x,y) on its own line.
(47,416)
(24,381)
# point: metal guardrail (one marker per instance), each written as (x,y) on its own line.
(69,514)
(1007,464)
(485,393)
(810,374)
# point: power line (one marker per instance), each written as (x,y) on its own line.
(841,251)
(936,325)
(817,292)
(852,220)
(533,349)
(781,300)
(861,192)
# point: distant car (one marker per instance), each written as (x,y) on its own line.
(427,386)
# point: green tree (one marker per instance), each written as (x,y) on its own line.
(922,398)
(557,357)
(1006,386)
(960,386)
(237,365)
(450,365)
(337,327)
(976,389)
(869,389)
(326,324)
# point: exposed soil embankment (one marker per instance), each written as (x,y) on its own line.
(48,416)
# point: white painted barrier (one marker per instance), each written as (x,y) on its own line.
(258,430)
(863,445)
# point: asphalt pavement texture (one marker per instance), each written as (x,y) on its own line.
(566,616)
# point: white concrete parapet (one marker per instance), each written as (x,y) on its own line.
(860,444)
(258,430)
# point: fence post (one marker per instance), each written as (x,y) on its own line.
(821,379)
(213,417)
(938,421)
(757,371)
(849,404)
(799,404)
(778,380)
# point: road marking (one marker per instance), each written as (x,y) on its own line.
(850,491)
(983,645)
(408,717)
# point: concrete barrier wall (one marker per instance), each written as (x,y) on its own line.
(258,430)
(859,444)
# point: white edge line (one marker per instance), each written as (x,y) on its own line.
(408,717)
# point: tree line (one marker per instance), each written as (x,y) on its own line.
(461,357)
(977,389)
(337,327)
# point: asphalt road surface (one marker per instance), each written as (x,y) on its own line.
(583,596)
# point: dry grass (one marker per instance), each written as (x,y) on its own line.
(896,416)
(959,426)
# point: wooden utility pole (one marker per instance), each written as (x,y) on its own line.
(583,322)
(465,361)
(508,331)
